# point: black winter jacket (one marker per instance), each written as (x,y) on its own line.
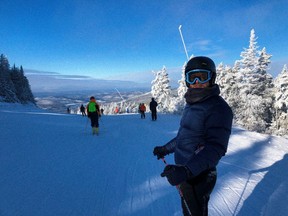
(204,132)
(153,104)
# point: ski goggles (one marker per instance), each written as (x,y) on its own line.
(201,75)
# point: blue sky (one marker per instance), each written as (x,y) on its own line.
(115,38)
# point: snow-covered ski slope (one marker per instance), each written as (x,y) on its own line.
(51,165)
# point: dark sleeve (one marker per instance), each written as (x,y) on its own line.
(170,146)
(218,126)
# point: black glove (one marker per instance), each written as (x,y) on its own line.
(160,152)
(176,174)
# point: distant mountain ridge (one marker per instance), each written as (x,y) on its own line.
(41,82)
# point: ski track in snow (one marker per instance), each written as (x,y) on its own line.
(52,165)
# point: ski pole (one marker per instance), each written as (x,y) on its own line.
(180,192)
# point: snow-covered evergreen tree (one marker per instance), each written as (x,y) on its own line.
(7,89)
(253,114)
(264,60)
(155,91)
(280,125)
(234,80)
(254,83)
(249,55)
(220,75)
(21,84)
(178,102)
(226,80)
(182,89)
(161,90)
(14,86)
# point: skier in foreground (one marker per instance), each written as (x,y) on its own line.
(93,114)
(202,138)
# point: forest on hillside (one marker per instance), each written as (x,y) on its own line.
(14,85)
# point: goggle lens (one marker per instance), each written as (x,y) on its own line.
(201,75)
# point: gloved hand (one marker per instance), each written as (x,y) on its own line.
(176,174)
(160,152)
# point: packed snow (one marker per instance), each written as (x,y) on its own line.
(52,165)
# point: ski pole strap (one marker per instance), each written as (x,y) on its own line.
(163,159)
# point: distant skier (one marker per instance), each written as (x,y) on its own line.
(116,111)
(82,109)
(153,107)
(93,113)
(142,110)
(202,138)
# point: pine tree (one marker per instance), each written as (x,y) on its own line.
(254,83)
(7,89)
(27,92)
(178,102)
(249,55)
(226,81)
(161,90)
(21,84)
(264,60)
(280,124)
(155,91)
(14,86)
(16,79)
(182,89)
(220,75)
(233,94)
(227,78)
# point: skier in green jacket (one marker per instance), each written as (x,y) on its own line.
(94,114)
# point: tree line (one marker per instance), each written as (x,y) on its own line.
(14,85)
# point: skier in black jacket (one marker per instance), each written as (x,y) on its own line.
(153,107)
(202,138)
